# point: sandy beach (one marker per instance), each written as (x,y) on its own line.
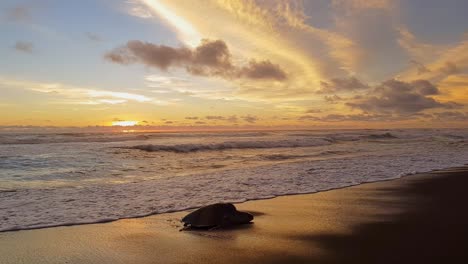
(416,219)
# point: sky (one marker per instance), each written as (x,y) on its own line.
(234,63)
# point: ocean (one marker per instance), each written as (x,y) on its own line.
(55,179)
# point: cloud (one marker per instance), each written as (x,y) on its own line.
(449,68)
(250,119)
(354,5)
(332,99)
(446,69)
(424,87)
(159,56)
(402,98)
(313,111)
(341,85)
(232,119)
(450,116)
(280,31)
(138,10)
(263,70)
(93,37)
(191,117)
(442,62)
(418,50)
(373,26)
(77,95)
(215,118)
(454,87)
(421,69)
(24,46)
(20,13)
(352,117)
(210,58)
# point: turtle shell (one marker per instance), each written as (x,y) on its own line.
(210,215)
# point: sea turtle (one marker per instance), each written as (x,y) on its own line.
(216,216)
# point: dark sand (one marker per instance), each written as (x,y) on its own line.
(416,219)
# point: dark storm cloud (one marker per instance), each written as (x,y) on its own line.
(341,85)
(401,98)
(24,46)
(210,58)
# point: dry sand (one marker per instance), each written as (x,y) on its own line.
(416,219)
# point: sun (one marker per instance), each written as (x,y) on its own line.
(124,123)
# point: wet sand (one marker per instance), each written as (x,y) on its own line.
(417,219)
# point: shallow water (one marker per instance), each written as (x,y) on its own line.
(58,179)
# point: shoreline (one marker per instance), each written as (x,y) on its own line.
(410,219)
(104,221)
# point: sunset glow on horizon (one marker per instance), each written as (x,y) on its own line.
(124,123)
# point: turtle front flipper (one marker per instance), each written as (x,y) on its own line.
(186,227)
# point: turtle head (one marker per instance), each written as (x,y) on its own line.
(241,218)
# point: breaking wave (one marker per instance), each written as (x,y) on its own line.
(186,148)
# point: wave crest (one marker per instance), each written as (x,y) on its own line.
(186,148)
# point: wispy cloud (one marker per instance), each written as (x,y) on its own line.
(24,46)
(77,95)
(19,13)
(359,5)
(416,49)
(342,85)
(135,8)
(440,63)
(185,30)
(450,116)
(93,36)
